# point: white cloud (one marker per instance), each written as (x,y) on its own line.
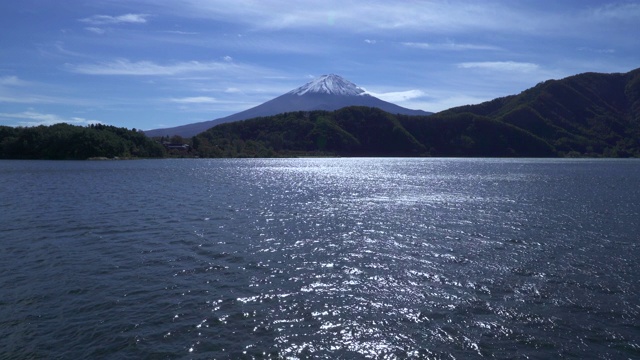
(60,49)
(451,46)
(432,100)
(616,12)
(96,30)
(12,90)
(510,66)
(179,32)
(195,100)
(146,68)
(27,99)
(375,15)
(599,51)
(443,101)
(369,41)
(32,118)
(12,81)
(398,96)
(107,19)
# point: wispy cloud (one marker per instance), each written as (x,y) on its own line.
(58,49)
(33,118)
(12,90)
(12,81)
(195,100)
(108,19)
(616,12)
(599,51)
(398,96)
(27,99)
(96,30)
(510,66)
(435,99)
(450,46)
(435,16)
(440,101)
(179,32)
(147,68)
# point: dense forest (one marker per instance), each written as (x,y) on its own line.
(589,114)
(69,142)
(362,131)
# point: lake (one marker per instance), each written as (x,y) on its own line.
(320,258)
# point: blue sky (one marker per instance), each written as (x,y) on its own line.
(149,64)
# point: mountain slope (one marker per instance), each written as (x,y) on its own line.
(365,131)
(328,92)
(596,115)
(589,113)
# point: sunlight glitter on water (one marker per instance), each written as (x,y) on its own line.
(324,258)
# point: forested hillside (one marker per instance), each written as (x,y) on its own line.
(588,114)
(69,142)
(361,131)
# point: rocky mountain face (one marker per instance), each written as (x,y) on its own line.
(328,92)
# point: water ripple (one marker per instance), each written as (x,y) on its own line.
(320,258)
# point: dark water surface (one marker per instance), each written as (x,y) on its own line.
(320,258)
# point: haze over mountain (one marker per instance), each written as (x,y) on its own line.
(327,92)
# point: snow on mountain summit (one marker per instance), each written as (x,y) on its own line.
(326,93)
(329,84)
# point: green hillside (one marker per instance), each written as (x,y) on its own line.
(361,131)
(588,114)
(69,142)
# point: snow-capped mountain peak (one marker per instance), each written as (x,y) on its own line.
(329,84)
(326,93)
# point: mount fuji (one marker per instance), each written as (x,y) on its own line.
(328,92)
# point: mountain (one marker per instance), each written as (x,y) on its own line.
(328,92)
(365,131)
(587,115)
